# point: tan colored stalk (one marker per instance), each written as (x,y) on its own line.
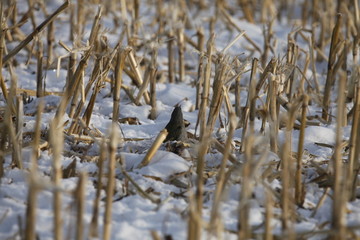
(171,69)
(299,188)
(8,134)
(271,67)
(221,71)
(80,17)
(293,51)
(194,221)
(105,70)
(246,189)
(200,80)
(247,10)
(287,173)
(154,147)
(221,180)
(74,100)
(50,44)
(354,140)
(143,87)
(31,13)
(200,39)
(94,34)
(269,97)
(357,14)
(2,149)
(82,89)
(153,72)
(252,94)
(119,67)
(57,143)
(249,110)
(313,63)
(200,167)
(315,12)
(227,101)
(161,18)
(2,47)
(72,22)
(32,35)
(111,182)
(155,235)
(13,17)
(13,130)
(343,48)
(181,49)
(290,56)
(335,39)
(135,67)
(135,21)
(192,228)
(78,77)
(321,38)
(73,83)
(305,12)
(75,114)
(39,74)
(153,111)
(303,78)
(90,107)
(94,220)
(80,205)
(94,74)
(268,215)
(37,132)
(205,89)
(274,123)
(12,91)
(124,14)
(33,189)
(17,150)
(267,33)
(339,188)
(238,97)
(71,67)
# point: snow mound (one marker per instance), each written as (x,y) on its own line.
(162,166)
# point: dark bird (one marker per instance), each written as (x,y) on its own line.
(176,126)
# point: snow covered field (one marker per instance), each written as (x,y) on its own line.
(250,187)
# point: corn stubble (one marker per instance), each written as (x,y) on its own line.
(281,81)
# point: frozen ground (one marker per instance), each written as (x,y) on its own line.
(133,216)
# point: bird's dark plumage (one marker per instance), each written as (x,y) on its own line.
(176,127)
